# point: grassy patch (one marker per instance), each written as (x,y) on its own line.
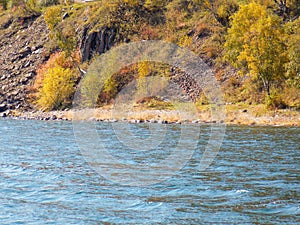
(154,102)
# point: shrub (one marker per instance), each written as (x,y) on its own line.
(109,91)
(275,101)
(291,96)
(57,90)
(55,82)
(52,17)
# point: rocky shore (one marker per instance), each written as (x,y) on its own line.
(233,117)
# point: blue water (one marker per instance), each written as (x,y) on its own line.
(44,179)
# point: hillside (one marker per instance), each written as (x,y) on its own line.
(22,50)
(43,42)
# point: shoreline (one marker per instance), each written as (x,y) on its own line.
(233,117)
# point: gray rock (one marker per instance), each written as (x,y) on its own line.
(53,117)
(3,107)
(4,87)
(3,115)
(14,93)
(23,80)
(28,75)
(26,64)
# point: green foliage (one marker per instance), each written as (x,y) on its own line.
(221,9)
(255,43)
(33,5)
(154,102)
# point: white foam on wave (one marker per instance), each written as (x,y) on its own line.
(241,191)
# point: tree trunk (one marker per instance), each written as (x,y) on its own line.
(266,86)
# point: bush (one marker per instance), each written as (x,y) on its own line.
(52,17)
(109,91)
(291,96)
(275,101)
(57,90)
(55,82)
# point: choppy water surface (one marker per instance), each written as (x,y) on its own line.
(45,180)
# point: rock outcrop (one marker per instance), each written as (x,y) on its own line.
(96,42)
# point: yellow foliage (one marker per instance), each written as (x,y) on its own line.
(110,88)
(52,16)
(58,88)
(185,41)
(132,2)
(293,42)
(55,81)
(56,59)
(144,69)
(152,4)
(255,42)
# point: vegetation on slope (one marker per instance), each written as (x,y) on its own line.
(252,45)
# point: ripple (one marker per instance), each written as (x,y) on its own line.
(44,179)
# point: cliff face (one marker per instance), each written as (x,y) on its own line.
(22,49)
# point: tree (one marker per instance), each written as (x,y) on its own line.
(255,43)
(293,42)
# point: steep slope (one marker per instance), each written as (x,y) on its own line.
(22,49)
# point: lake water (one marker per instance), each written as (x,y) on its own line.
(44,179)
